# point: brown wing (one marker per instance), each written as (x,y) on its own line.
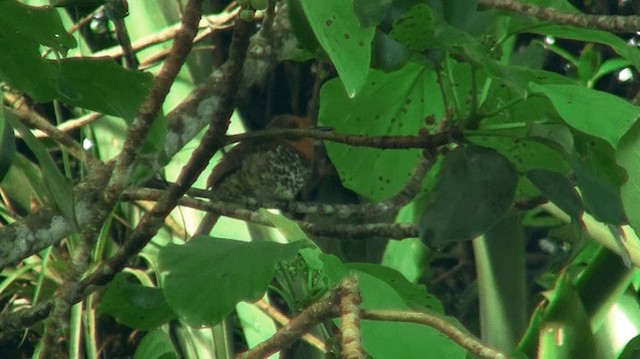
(231,162)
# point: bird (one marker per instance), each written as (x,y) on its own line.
(267,169)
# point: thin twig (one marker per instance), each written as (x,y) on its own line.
(184,122)
(282,319)
(209,23)
(117,10)
(31,118)
(302,323)
(71,290)
(71,125)
(385,142)
(625,24)
(459,336)
(344,231)
(211,142)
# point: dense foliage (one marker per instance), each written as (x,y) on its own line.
(475,192)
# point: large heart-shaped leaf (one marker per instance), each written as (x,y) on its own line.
(475,188)
(207,277)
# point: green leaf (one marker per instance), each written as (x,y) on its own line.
(289,229)
(389,104)
(301,28)
(559,190)
(40,24)
(393,339)
(371,12)
(631,349)
(135,305)
(610,66)
(526,154)
(388,54)
(408,256)
(22,30)
(476,186)
(599,180)
(156,345)
(464,15)
(414,28)
(207,277)
(555,133)
(257,325)
(7,145)
(414,296)
(328,266)
(348,45)
(103,86)
(593,112)
(58,188)
(565,316)
(619,45)
(628,156)
(23,184)
(588,63)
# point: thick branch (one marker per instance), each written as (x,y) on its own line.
(211,142)
(121,176)
(26,237)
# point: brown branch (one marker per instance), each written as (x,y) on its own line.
(282,319)
(37,231)
(208,23)
(25,232)
(32,118)
(627,24)
(71,125)
(117,10)
(459,336)
(298,326)
(232,210)
(64,298)
(26,317)
(346,298)
(48,226)
(350,335)
(71,290)
(363,231)
(229,209)
(345,231)
(211,142)
(385,142)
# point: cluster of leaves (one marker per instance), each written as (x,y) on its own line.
(403,67)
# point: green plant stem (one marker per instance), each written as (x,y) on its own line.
(473,119)
(606,277)
(89,326)
(502,108)
(500,266)
(456,100)
(75,331)
(558,51)
(601,284)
